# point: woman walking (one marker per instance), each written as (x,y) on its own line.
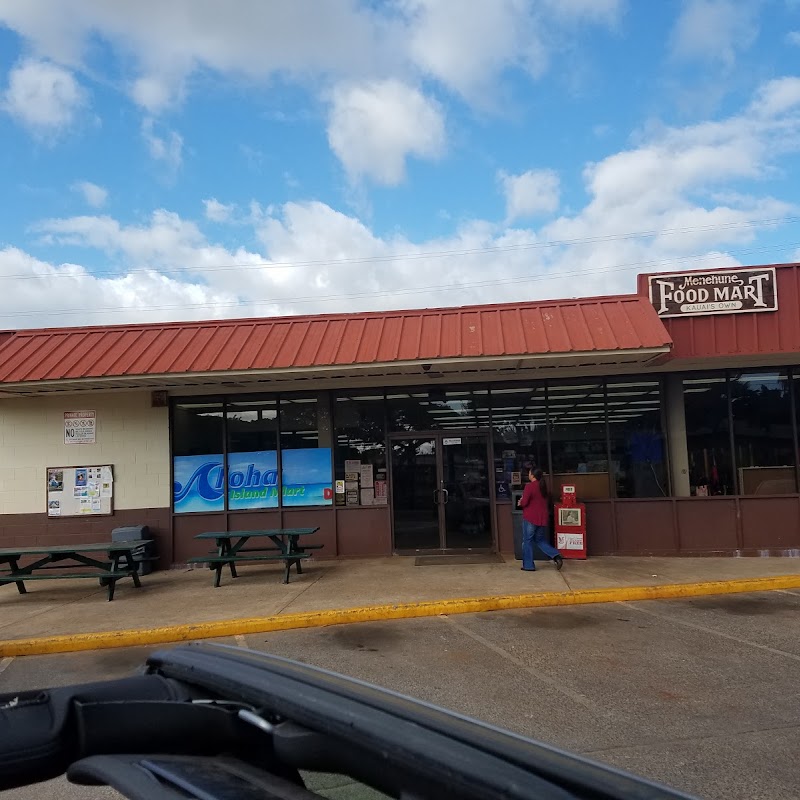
(535,503)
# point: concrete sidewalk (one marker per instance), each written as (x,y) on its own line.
(187,597)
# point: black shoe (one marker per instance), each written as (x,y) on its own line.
(559,562)
(524,569)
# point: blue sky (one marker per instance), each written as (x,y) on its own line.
(182,159)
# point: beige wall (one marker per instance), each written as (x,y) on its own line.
(131,436)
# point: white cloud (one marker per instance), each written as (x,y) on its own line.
(42,96)
(714,30)
(166,42)
(373,127)
(94,195)
(168,148)
(154,93)
(681,198)
(793,37)
(777,97)
(216,211)
(467,52)
(58,294)
(600,11)
(317,43)
(531,193)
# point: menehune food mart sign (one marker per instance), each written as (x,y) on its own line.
(725,292)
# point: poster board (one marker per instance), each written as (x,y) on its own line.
(80,491)
(363,485)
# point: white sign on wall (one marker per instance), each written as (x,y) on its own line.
(80,427)
(569,541)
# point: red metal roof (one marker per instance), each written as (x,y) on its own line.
(741,335)
(522,329)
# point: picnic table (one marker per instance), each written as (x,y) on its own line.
(117,564)
(231,549)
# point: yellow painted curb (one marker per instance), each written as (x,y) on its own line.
(316,619)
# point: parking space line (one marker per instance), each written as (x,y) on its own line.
(241,641)
(704,629)
(5,663)
(557,686)
(788,591)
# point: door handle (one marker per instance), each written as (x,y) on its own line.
(436,496)
(446,495)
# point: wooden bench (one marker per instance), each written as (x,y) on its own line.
(108,579)
(217,562)
(107,562)
(285,545)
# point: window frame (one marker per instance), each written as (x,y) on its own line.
(226,401)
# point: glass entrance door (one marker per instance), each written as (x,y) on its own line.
(465,489)
(440,492)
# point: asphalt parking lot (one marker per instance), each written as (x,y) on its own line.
(700,694)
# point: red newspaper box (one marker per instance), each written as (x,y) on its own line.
(570,524)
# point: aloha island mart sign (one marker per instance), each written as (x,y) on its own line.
(725,292)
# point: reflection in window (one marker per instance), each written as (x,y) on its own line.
(708,436)
(762,428)
(578,434)
(196,428)
(637,438)
(359,422)
(305,465)
(578,437)
(519,429)
(252,429)
(360,425)
(198,474)
(438,409)
(299,427)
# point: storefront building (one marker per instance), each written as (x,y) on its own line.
(674,411)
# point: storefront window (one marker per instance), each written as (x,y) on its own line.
(197,460)
(578,443)
(305,452)
(360,464)
(708,436)
(252,429)
(762,429)
(437,409)
(519,430)
(638,448)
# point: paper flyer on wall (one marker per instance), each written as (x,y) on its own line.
(106,489)
(54,508)
(367,497)
(352,465)
(55,480)
(366,476)
(106,475)
(381,497)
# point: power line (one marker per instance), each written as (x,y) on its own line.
(625,267)
(523,247)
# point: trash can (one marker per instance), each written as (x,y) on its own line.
(144,555)
(516,518)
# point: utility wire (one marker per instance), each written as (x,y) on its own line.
(429,254)
(638,265)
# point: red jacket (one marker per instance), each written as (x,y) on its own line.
(535,508)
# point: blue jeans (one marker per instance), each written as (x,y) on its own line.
(535,533)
